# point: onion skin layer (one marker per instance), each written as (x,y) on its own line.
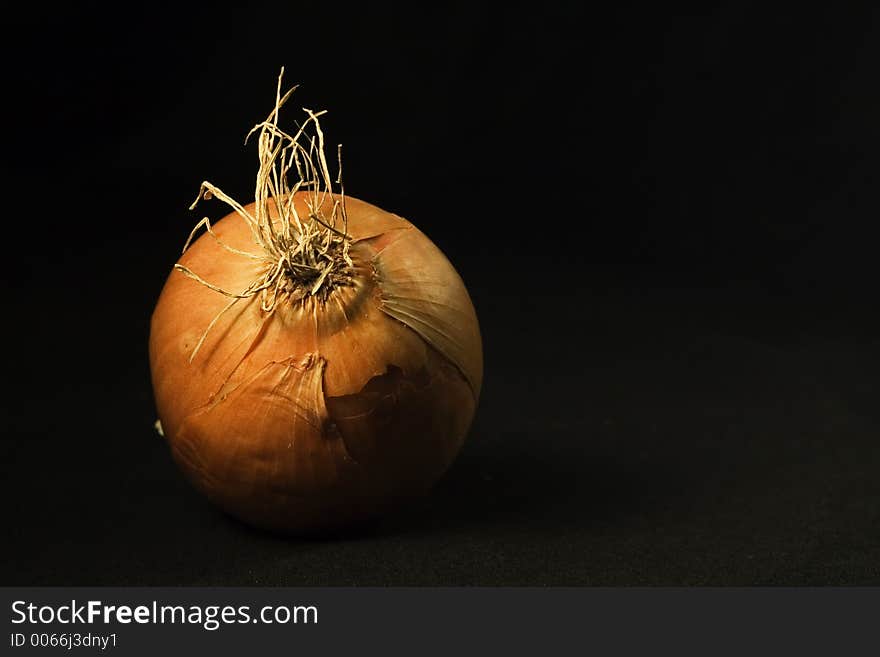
(319,416)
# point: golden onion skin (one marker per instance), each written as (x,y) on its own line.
(318,416)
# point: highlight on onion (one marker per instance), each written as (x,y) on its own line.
(315,359)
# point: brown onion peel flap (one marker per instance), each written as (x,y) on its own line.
(282,404)
(284,398)
(421,289)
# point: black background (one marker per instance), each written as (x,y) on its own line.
(666,217)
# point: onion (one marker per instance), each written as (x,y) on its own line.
(315,360)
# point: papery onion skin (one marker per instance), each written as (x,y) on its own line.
(318,416)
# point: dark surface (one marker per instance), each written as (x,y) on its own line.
(667,222)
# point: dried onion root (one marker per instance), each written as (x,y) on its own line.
(315,359)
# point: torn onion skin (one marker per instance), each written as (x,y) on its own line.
(322,414)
